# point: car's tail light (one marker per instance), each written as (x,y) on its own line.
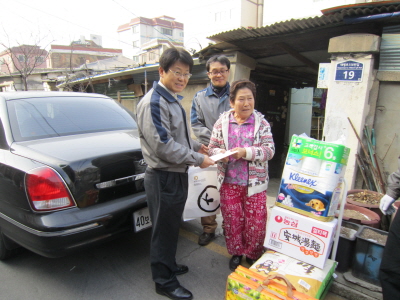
(46,190)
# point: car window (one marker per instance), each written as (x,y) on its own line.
(59,116)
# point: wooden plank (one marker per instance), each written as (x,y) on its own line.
(298,56)
(383,187)
(368,160)
(362,171)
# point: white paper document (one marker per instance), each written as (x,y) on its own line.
(220,156)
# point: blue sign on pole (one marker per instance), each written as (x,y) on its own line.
(349,71)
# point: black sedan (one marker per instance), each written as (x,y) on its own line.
(71,172)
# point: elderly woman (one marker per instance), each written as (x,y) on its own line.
(243,177)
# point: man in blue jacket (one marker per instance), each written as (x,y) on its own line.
(168,151)
(207,106)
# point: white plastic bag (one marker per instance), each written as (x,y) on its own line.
(203,196)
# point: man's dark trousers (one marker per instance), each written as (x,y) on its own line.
(166,196)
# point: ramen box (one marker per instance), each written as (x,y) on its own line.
(299,236)
(312,177)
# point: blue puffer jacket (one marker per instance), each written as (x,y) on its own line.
(206,109)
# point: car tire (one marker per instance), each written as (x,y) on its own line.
(4,252)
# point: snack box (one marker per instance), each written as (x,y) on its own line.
(306,278)
(276,285)
(299,236)
(241,288)
(312,177)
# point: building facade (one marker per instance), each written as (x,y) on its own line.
(283,10)
(15,59)
(78,53)
(212,17)
(145,39)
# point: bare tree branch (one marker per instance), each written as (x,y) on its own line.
(24,59)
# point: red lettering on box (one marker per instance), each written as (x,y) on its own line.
(290,221)
(320,232)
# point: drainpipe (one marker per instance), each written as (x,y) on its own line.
(260,13)
(145,82)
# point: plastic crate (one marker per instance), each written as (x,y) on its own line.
(368,257)
(346,247)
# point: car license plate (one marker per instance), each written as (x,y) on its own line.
(141,219)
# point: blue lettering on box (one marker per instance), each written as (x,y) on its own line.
(306,181)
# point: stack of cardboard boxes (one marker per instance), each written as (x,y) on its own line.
(302,224)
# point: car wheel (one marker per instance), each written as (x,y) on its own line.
(4,252)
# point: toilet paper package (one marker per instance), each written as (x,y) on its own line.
(312,177)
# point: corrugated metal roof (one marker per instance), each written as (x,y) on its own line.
(288,51)
(307,24)
(389,59)
(149,72)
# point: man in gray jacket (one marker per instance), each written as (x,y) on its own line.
(169,151)
(207,106)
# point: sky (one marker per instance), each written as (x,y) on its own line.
(60,23)
(56,22)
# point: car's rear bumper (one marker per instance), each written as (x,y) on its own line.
(58,234)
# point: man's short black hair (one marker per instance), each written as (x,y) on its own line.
(172,55)
(222,59)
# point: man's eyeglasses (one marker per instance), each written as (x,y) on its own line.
(179,74)
(215,72)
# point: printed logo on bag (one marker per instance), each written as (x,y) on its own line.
(198,182)
(206,198)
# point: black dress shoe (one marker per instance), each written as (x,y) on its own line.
(251,261)
(205,238)
(182,269)
(176,294)
(234,262)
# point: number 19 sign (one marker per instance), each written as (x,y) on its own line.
(349,71)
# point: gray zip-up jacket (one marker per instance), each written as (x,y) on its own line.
(164,132)
(393,183)
(206,109)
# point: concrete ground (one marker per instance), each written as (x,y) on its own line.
(345,285)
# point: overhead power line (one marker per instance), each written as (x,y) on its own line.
(89,29)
